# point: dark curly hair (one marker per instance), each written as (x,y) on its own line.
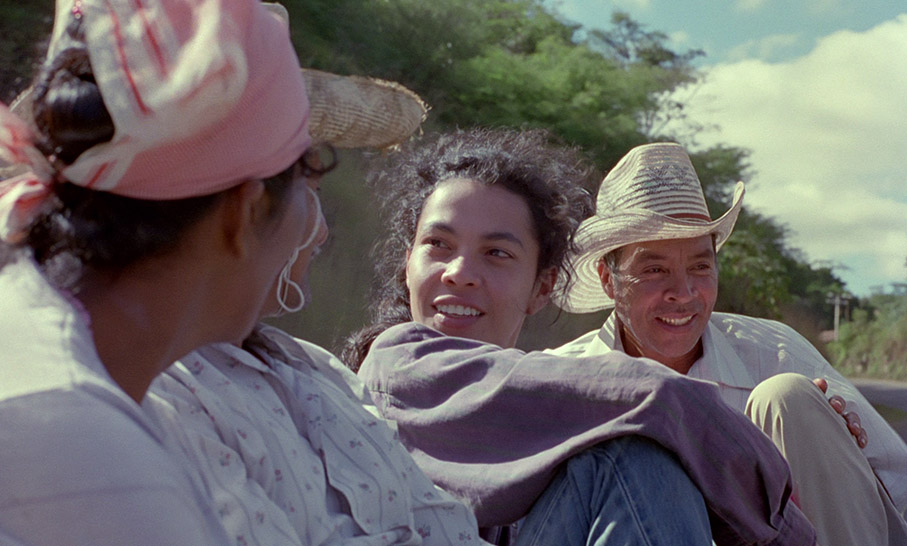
(551,178)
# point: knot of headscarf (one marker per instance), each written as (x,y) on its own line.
(21,197)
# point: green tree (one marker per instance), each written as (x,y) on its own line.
(507,63)
(24,28)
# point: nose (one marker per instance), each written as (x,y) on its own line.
(682,287)
(319,231)
(323,231)
(459,272)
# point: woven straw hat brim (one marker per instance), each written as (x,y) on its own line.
(600,235)
(361,112)
(345,111)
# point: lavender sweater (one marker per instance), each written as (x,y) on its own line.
(491,426)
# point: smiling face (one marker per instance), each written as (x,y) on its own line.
(664,293)
(473,268)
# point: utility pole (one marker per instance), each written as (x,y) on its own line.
(837,299)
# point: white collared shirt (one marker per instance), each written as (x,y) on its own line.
(739,352)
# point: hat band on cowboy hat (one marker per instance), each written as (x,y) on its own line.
(652,194)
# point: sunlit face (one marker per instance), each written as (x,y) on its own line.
(314,223)
(473,268)
(664,293)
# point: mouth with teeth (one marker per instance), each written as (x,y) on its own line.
(458,311)
(676,321)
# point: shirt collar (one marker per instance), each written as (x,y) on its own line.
(608,334)
(719,362)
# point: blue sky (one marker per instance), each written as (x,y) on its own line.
(817,91)
(771,30)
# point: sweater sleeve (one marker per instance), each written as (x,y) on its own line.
(492,425)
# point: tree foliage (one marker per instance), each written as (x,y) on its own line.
(24,27)
(502,63)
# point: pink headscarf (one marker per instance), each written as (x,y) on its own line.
(203,94)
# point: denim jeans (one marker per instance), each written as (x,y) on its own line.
(626,491)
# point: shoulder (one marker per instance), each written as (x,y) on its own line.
(404,344)
(754,329)
(80,441)
(320,364)
(748,335)
(83,470)
(415,358)
(406,332)
(394,349)
(576,347)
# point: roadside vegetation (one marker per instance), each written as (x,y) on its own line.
(873,343)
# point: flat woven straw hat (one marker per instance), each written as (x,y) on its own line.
(345,111)
(653,193)
(360,112)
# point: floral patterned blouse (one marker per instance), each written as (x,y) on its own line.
(283,437)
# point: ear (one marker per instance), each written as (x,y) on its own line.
(541,292)
(604,273)
(245,208)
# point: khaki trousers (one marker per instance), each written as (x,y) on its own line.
(833,483)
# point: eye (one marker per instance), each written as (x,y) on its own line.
(435,246)
(435,242)
(499,253)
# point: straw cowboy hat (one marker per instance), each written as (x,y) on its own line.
(653,193)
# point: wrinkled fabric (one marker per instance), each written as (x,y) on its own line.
(623,491)
(492,425)
(851,509)
(80,463)
(739,352)
(203,94)
(282,435)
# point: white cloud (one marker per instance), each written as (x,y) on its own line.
(641,4)
(749,6)
(828,138)
(825,7)
(679,37)
(763,48)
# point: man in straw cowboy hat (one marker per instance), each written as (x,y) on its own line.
(650,252)
(280,432)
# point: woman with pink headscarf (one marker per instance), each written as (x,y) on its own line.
(160,195)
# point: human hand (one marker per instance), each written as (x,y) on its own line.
(851,418)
